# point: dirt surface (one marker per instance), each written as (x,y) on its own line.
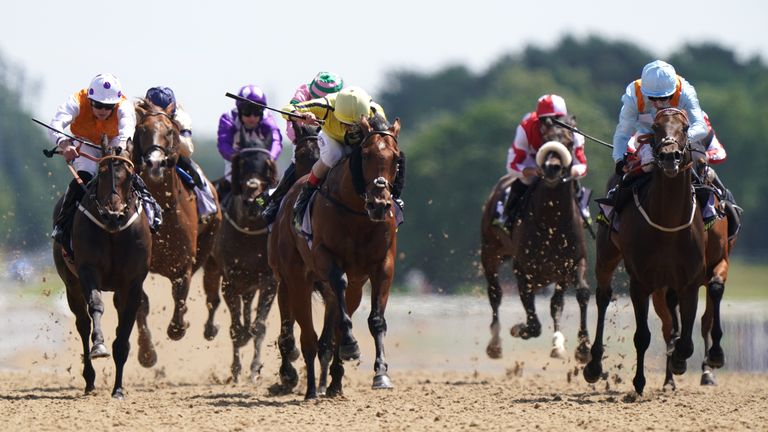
(41,388)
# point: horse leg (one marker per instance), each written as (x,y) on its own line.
(286,341)
(211,284)
(491,262)
(582,297)
(337,374)
(715,289)
(259,328)
(532,327)
(92,295)
(348,347)
(127,305)
(608,258)
(236,330)
(684,345)
(642,335)
(83,323)
(308,339)
(325,344)
(147,353)
(665,309)
(707,371)
(556,310)
(381,281)
(180,287)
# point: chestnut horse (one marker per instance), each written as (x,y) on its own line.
(353,241)
(239,257)
(183,243)
(546,245)
(662,241)
(112,245)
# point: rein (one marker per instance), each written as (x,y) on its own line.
(659,227)
(245,231)
(101,225)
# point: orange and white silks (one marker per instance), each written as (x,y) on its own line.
(87,126)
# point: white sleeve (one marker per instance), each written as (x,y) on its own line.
(183,119)
(627,123)
(698,126)
(126,123)
(65,115)
(518,153)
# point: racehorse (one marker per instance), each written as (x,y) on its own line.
(546,245)
(662,242)
(183,243)
(353,241)
(239,257)
(112,249)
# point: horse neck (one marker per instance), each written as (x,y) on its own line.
(342,189)
(167,190)
(552,215)
(669,199)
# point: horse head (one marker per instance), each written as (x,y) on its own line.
(307,147)
(156,140)
(554,157)
(113,193)
(253,173)
(379,154)
(670,144)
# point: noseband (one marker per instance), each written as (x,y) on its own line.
(154,147)
(379,182)
(677,155)
(102,211)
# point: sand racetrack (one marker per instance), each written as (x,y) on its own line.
(41,388)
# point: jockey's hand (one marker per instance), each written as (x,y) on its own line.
(68,150)
(306,118)
(530,172)
(621,167)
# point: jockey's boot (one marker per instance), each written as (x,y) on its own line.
(153,209)
(190,168)
(302,201)
(289,178)
(399,182)
(516,191)
(62,224)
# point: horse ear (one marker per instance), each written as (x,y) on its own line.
(236,190)
(364,124)
(395,128)
(170,109)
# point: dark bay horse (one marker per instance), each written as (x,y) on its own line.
(112,246)
(546,245)
(353,241)
(662,242)
(183,243)
(239,257)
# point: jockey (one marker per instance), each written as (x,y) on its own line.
(323,84)
(521,159)
(97,111)
(659,87)
(164,97)
(246,126)
(342,112)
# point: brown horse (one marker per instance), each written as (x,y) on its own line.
(661,239)
(183,243)
(112,247)
(353,241)
(239,257)
(546,245)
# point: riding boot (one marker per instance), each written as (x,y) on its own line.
(153,209)
(62,224)
(289,178)
(188,166)
(399,183)
(302,201)
(516,191)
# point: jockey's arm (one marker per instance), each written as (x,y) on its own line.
(698,129)
(65,115)
(579,164)
(627,124)
(226,136)
(519,161)
(126,124)
(277,137)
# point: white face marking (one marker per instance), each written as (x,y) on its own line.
(382,146)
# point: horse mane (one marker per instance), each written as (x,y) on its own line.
(145,106)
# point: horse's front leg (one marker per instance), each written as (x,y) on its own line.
(532,326)
(666,308)
(642,336)
(491,261)
(237,333)
(556,311)
(348,347)
(286,342)
(211,285)
(79,307)
(684,345)
(267,294)
(326,349)
(715,357)
(147,353)
(180,290)
(90,285)
(127,304)
(582,297)
(381,281)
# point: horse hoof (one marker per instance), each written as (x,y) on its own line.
(592,372)
(294,354)
(176,332)
(708,379)
(558,353)
(716,358)
(118,394)
(99,351)
(211,332)
(148,358)
(669,386)
(322,390)
(677,367)
(583,354)
(349,352)
(517,330)
(241,339)
(382,382)
(334,391)
(310,395)
(288,377)
(493,351)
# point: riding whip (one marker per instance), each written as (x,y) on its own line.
(289,114)
(49,153)
(573,129)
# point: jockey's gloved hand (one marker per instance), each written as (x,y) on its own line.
(620,165)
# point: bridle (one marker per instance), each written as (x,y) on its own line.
(230,219)
(378,182)
(102,211)
(145,152)
(677,156)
